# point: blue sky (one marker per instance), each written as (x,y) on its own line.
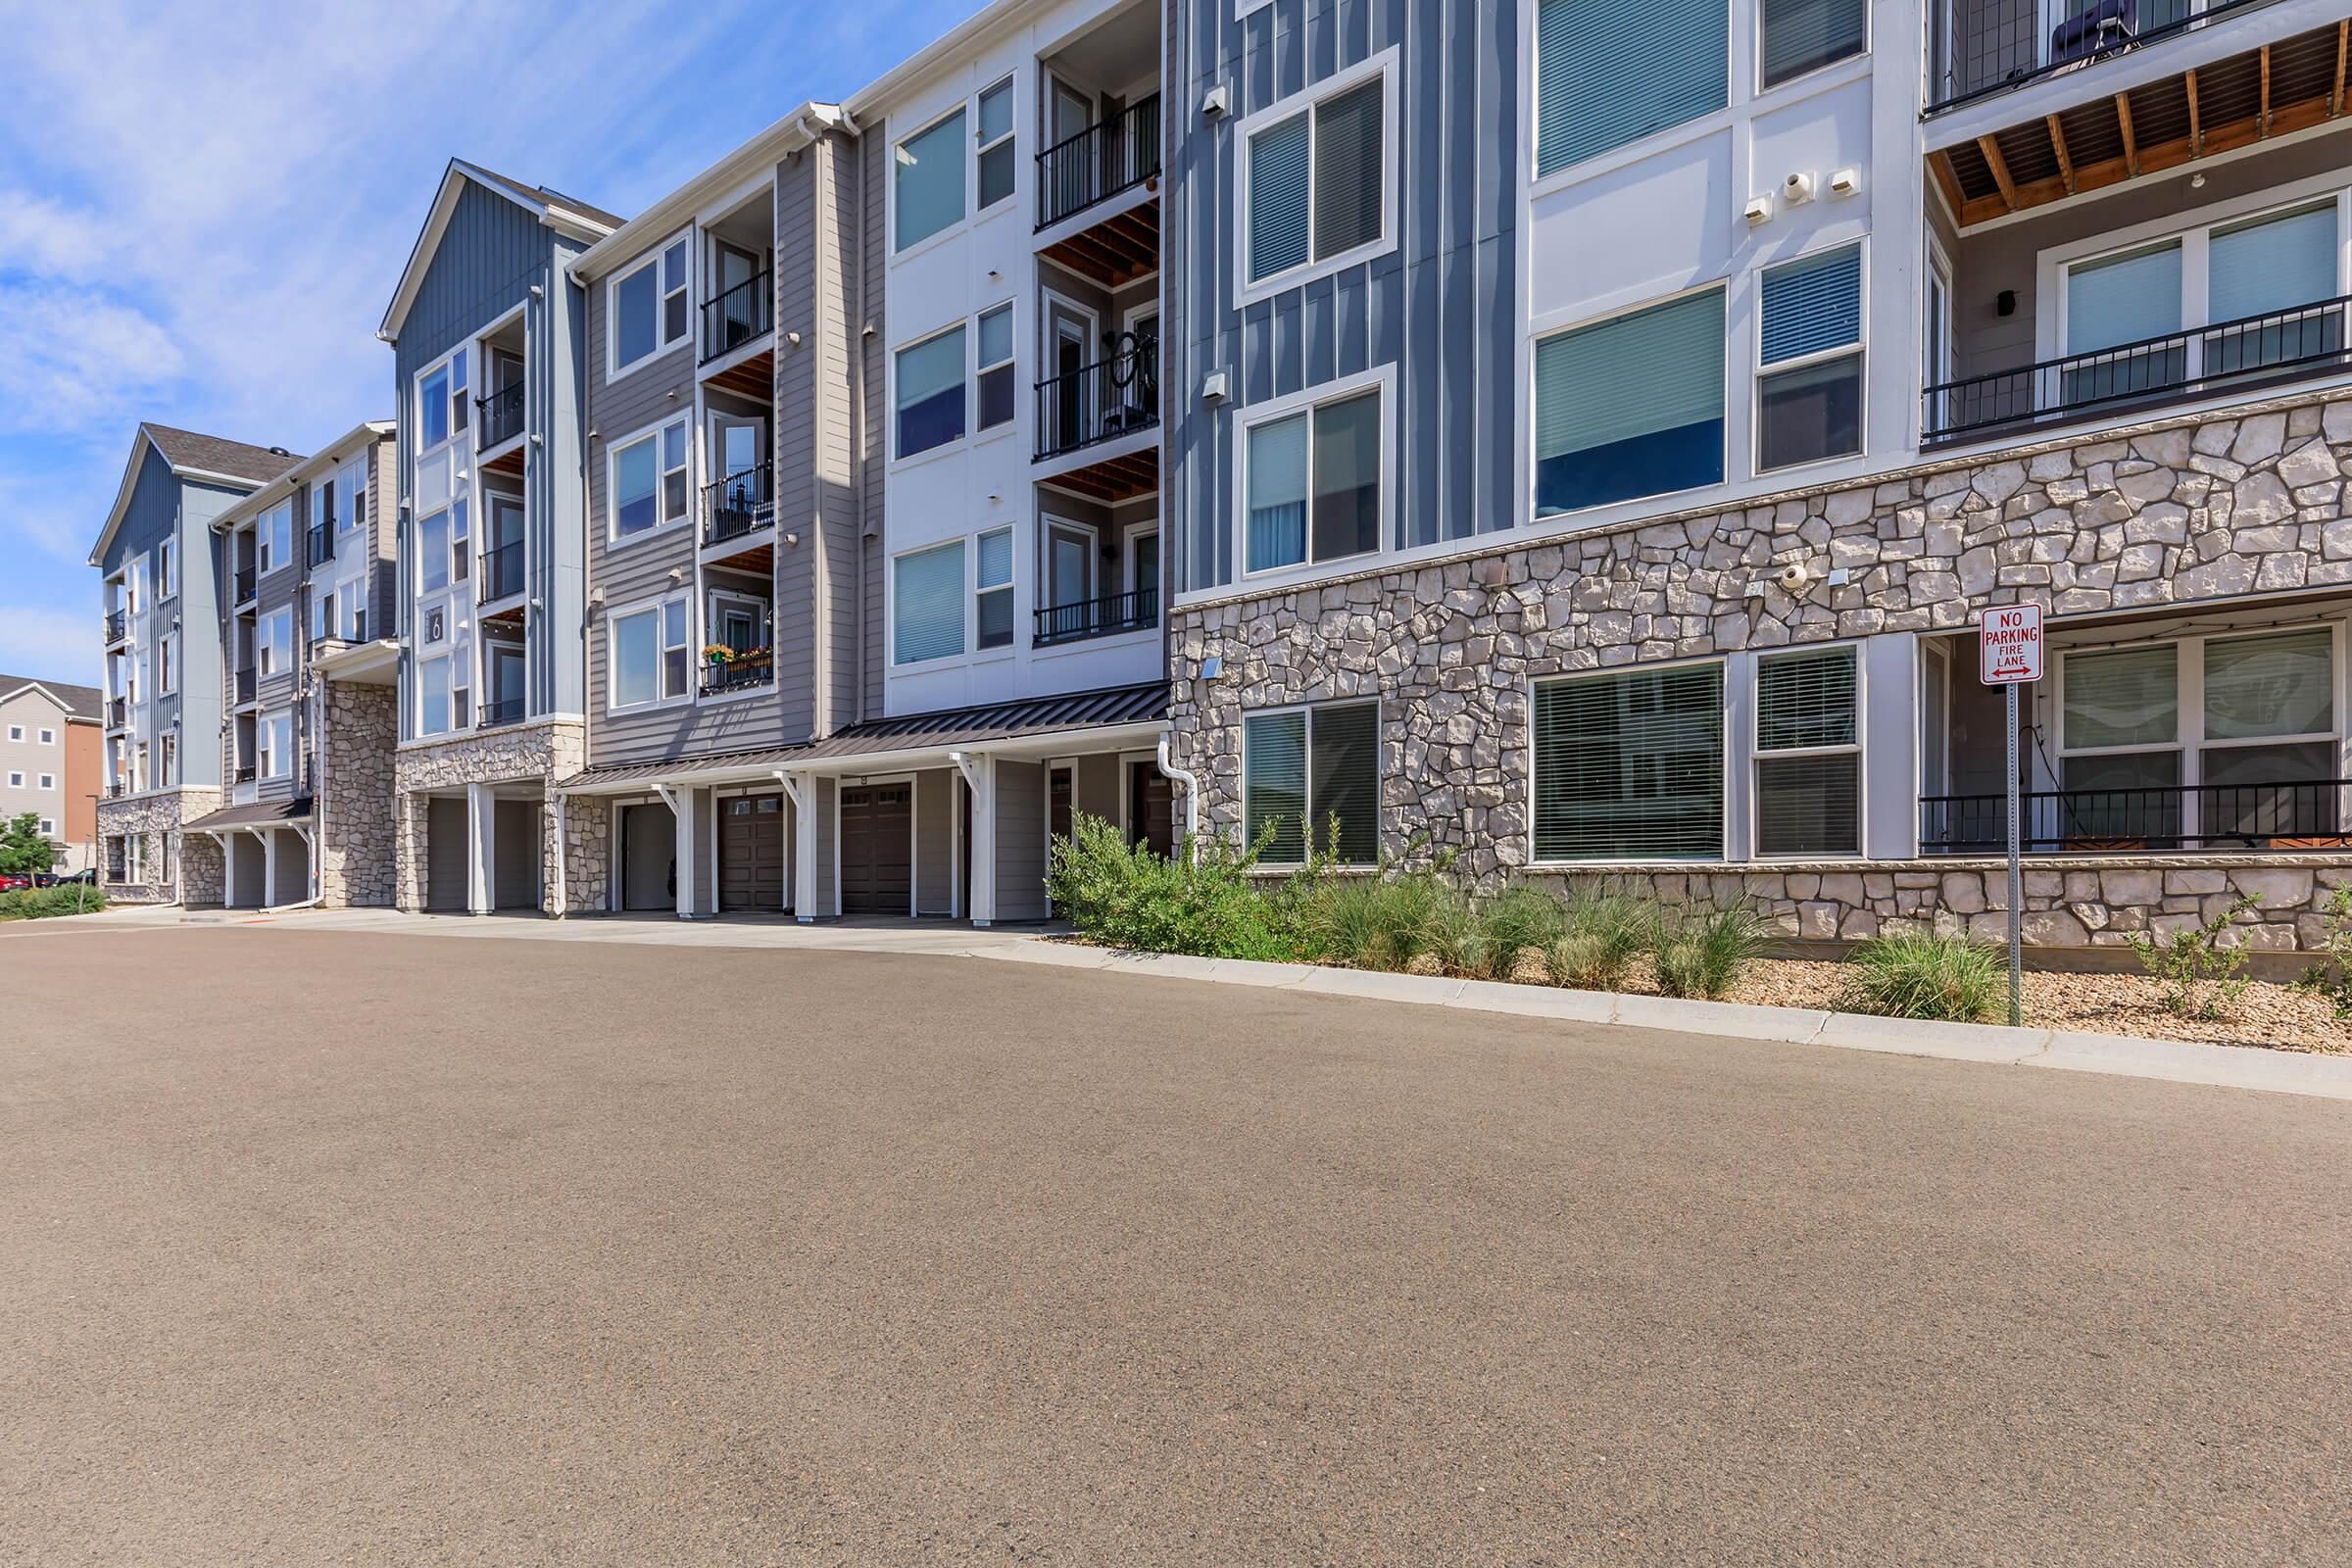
(204,205)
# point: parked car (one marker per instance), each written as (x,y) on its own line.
(88,874)
(9,881)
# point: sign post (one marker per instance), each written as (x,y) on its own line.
(2009,654)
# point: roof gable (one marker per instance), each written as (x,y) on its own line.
(205,459)
(560,212)
(75,702)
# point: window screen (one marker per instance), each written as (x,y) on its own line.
(1347,171)
(1314,775)
(931,393)
(1278,187)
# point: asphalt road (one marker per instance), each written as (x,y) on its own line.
(322,1248)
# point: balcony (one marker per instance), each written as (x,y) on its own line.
(245,582)
(502,572)
(118,712)
(740,504)
(497,710)
(245,684)
(2286,818)
(2227,358)
(734,673)
(501,418)
(1102,161)
(1137,609)
(322,544)
(1983,47)
(116,789)
(243,774)
(118,626)
(737,316)
(1116,396)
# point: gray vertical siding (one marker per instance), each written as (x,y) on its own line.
(823,839)
(1020,806)
(282,588)
(935,841)
(874,383)
(1439,308)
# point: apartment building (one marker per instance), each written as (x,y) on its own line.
(306,670)
(873,492)
(488,333)
(50,746)
(1595,431)
(163,586)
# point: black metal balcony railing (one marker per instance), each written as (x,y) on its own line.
(115,791)
(246,683)
(1100,162)
(247,579)
(738,316)
(1117,395)
(2302,815)
(501,571)
(755,666)
(2236,355)
(244,773)
(322,544)
(117,711)
(501,418)
(739,504)
(1979,49)
(1107,616)
(117,623)
(497,710)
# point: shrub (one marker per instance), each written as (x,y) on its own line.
(1947,978)
(1383,921)
(2201,976)
(41,904)
(2332,977)
(1702,950)
(1519,918)
(1125,895)
(1603,931)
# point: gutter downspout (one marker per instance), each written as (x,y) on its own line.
(311,843)
(1191,800)
(556,807)
(798,794)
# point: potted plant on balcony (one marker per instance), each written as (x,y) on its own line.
(717,655)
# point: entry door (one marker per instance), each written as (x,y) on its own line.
(739,448)
(1071,341)
(738,308)
(751,854)
(649,847)
(877,850)
(1069,564)
(1061,792)
(1151,810)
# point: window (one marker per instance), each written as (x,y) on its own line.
(1313,774)
(926,613)
(166,667)
(1802,36)
(930,393)
(49,826)
(1808,754)
(995,136)
(649,481)
(432,553)
(927,181)
(324,514)
(1809,394)
(441,403)
(2266,265)
(432,696)
(277,746)
(48,737)
(1317,194)
(649,308)
(277,642)
(1311,484)
(48,781)
(460,548)
(16,732)
(992,598)
(649,655)
(15,780)
(738,623)
(1631,406)
(170,754)
(274,538)
(351,485)
(996,368)
(322,618)
(1612,71)
(167,568)
(1629,767)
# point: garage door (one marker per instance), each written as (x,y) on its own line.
(877,849)
(750,853)
(445,829)
(649,843)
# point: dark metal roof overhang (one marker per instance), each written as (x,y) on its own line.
(295,812)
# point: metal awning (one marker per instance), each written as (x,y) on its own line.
(295,812)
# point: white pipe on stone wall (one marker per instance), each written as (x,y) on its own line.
(1191,800)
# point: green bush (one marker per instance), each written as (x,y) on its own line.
(1125,896)
(2201,976)
(40,904)
(1519,918)
(1603,931)
(1383,921)
(1702,950)
(1946,978)
(2330,977)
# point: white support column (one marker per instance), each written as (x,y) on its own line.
(680,802)
(980,774)
(801,858)
(228,869)
(481,841)
(269,867)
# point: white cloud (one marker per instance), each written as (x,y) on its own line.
(51,644)
(73,355)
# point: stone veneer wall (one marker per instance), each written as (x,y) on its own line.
(2172,513)
(538,751)
(157,815)
(363,726)
(587,852)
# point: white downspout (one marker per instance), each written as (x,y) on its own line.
(311,843)
(1192,802)
(797,794)
(557,809)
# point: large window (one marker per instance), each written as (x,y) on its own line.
(648,654)
(167,568)
(1808,754)
(1611,71)
(1316,192)
(930,393)
(649,481)
(926,613)
(1311,775)
(441,402)
(276,656)
(1801,35)
(1311,484)
(433,696)
(1631,406)
(649,307)
(927,180)
(1809,381)
(1629,767)
(992,596)
(277,745)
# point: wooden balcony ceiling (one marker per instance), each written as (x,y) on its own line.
(754,377)
(2270,91)
(1114,479)
(507,462)
(1116,250)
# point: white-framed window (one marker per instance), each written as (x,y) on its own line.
(1798,37)
(1310,781)
(929,396)
(433,696)
(1629,764)
(993,368)
(442,402)
(433,552)
(134,857)
(927,180)
(48,781)
(276,736)
(167,568)
(1809,360)
(276,644)
(48,737)
(1808,753)
(1609,72)
(1313,479)
(1315,193)
(647,654)
(648,307)
(171,756)
(648,479)
(991,589)
(351,488)
(49,826)
(1631,405)
(926,603)
(16,732)
(995,150)
(274,538)
(15,780)
(167,663)
(1244,8)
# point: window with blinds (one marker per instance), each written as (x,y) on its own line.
(1808,757)
(1316,182)
(926,611)
(1612,71)
(2270,718)
(1809,389)
(1312,772)
(992,600)
(2268,266)
(930,393)
(1311,484)
(1631,406)
(1629,767)
(2119,730)
(1802,36)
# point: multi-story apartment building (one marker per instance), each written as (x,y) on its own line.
(873,490)
(1597,430)
(306,752)
(50,744)
(162,589)
(488,334)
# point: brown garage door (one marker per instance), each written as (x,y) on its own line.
(877,849)
(750,853)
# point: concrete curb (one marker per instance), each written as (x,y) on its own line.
(2177,1061)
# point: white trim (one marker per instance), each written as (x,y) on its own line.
(1309,828)
(1380,379)
(615,539)
(1729,764)
(890,412)
(1384,65)
(968,167)
(1757,755)
(657,604)
(1758,90)
(664,287)
(1759,373)
(890,608)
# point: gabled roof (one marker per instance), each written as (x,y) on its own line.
(205,459)
(79,701)
(322,461)
(565,215)
(258,814)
